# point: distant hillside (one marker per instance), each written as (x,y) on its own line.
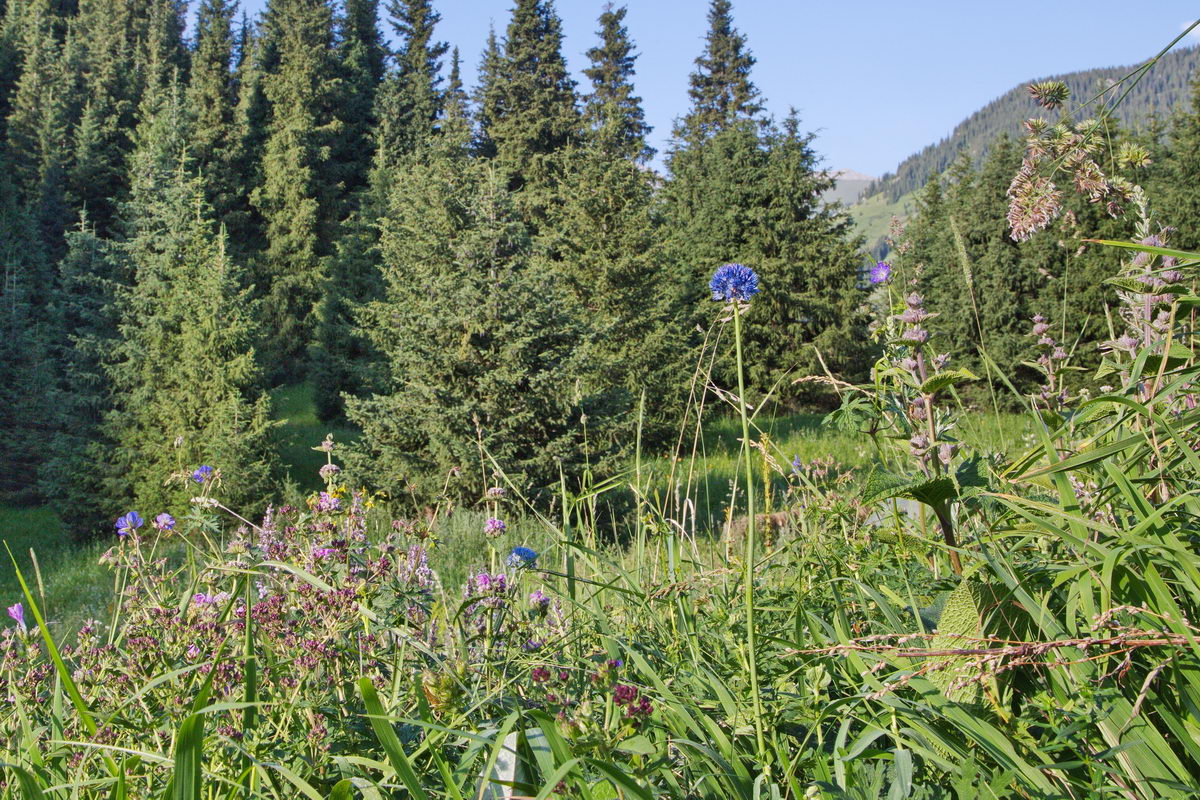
(847,187)
(1166,86)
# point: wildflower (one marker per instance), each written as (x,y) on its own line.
(164,522)
(540,675)
(494,527)
(522,558)
(17,612)
(322,553)
(129,523)
(734,282)
(915,335)
(193,652)
(328,471)
(624,694)
(202,473)
(797,465)
(326,446)
(880,272)
(539,600)
(496,493)
(328,502)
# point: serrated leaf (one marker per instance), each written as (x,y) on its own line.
(1107,367)
(883,485)
(946,379)
(1135,286)
(959,623)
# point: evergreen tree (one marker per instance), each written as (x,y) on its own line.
(298,198)
(183,374)
(612,110)
(361,60)
(243,222)
(487,94)
(720,88)
(483,349)
(39,126)
(1177,203)
(409,101)
(532,113)
(211,101)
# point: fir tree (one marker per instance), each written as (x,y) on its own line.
(183,375)
(612,110)
(720,88)
(533,113)
(483,350)
(243,222)
(409,101)
(298,199)
(1178,203)
(487,94)
(211,101)
(361,60)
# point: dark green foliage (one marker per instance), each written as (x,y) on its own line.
(212,102)
(720,88)
(298,198)
(409,101)
(184,383)
(243,222)
(484,352)
(529,109)
(612,110)
(1177,202)
(360,55)
(1160,91)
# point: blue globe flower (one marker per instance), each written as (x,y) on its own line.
(129,523)
(522,558)
(734,282)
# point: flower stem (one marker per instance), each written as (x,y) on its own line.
(751,530)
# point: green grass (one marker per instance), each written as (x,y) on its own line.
(67,579)
(873,216)
(301,432)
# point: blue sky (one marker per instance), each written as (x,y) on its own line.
(875,80)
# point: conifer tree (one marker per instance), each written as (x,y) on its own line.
(360,54)
(531,114)
(1178,203)
(483,350)
(298,198)
(243,222)
(487,94)
(720,88)
(211,101)
(183,375)
(612,110)
(409,101)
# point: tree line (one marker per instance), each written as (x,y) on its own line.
(464,273)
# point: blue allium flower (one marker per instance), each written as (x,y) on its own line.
(522,558)
(202,473)
(17,612)
(129,523)
(734,282)
(880,272)
(164,522)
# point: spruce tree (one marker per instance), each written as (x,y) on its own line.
(409,101)
(720,88)
(298,198)
(360,55)
(243,222)
(487,94)
(1178,204)
(612,110)
(533,114)
(183,375)
(483,350)
(211,101)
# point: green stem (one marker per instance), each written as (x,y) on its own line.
(751,530)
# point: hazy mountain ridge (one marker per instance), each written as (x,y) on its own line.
(1166,86)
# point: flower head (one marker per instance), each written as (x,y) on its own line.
(880,272)
(17,612)
(496,493)
(522,558)
(734,282)
(164,522)
(202,473)
(129,523)
(329,471)
(539,600)
(494,527)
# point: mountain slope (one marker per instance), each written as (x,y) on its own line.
(1165,87)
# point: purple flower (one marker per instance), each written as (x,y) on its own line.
(734,282)
(17,612)
(202,473)
(129,523)
(322,553)
(797,465)
(522,558)
(328,502)
(164,522)
(880,272)
(496,493)
(539,600)
(328,471)
(494,527)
